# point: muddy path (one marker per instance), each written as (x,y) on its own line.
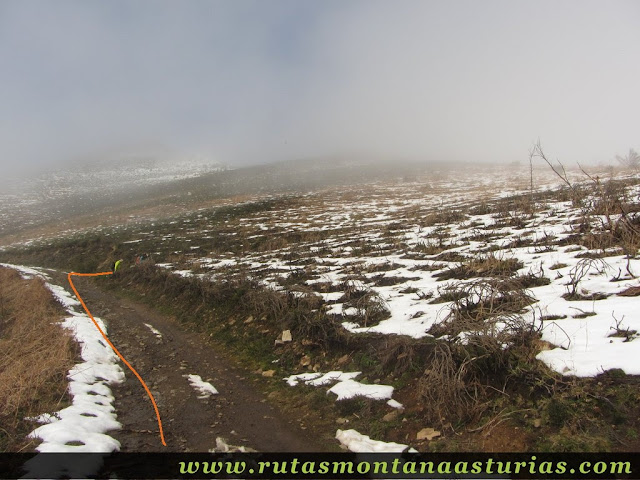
(239,413)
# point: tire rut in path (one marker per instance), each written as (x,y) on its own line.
(239,413)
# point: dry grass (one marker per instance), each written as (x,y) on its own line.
(398,354)
(36,355)
(482,266)
(445,217)
(449,388)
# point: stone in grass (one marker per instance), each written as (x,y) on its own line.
(286,336)
(268,373)
(391,416)
(427,434)
(343,359)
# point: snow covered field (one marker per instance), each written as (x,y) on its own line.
(398,246)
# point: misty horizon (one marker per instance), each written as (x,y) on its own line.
(246,82)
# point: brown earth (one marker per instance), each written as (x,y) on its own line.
(240,413)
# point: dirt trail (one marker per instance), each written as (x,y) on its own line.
(239,413)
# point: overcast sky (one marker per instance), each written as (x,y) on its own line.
(253,81)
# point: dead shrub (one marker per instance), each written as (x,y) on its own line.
(319,329)
(296,276)
(399,354)
(448,293)
(448,388)
(531,280)
(484,306)
(622,332)
(451,257)
(446,217)
(388,281)
(429,248)
(485,347)
(515,212)
(483,266)
(300,313)
(325,287)
(382,267)
(579,272)
(557,266)
(370,307)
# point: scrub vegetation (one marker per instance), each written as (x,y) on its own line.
(468,295)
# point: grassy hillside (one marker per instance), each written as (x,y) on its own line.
(469,295)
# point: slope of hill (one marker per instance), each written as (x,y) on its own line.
(142,187)
(463,302)
(85,189)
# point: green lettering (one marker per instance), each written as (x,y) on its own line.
(212,467)
(409,467)
(620,467)
(236,468)
(343,466)
(279,468)
(377,466)
(324,468)
(263,465)
(427,467)
(519,465)
(546,468)
(294,464)
(462,467)
(582,467)
(192,468)
(600,467)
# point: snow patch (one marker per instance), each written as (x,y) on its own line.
(319,379)
(205,388)
(153,330)
(350,389)
(359,443)
(395,404)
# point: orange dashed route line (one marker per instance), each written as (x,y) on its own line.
(153,401)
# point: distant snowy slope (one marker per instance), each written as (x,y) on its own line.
(75,190)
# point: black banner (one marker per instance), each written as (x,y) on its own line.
(320,465)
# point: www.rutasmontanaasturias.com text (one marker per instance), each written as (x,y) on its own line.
(400,467)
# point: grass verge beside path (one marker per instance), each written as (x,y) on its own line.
(36,356)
